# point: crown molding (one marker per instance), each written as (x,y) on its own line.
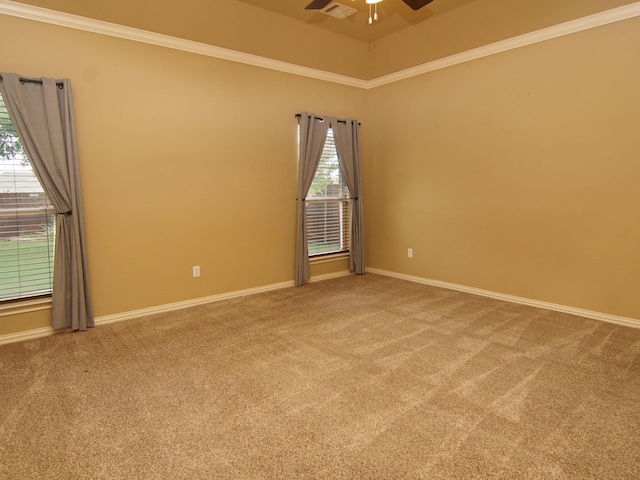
(574,26)
(100,27)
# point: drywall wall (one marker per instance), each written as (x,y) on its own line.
(184,160)
(516,173)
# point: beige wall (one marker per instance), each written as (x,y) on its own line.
(185,160)
(517,173)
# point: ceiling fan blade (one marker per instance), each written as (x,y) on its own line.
(417,4)
(317,4)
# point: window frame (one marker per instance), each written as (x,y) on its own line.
(343,200)
(34,206)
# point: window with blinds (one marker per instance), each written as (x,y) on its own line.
(327,205)
(27,222)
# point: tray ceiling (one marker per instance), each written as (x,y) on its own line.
(394,16)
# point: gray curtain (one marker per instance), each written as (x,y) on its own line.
(42,112)
(345,134)
(313,134)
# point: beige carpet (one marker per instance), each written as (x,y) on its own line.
(354,378)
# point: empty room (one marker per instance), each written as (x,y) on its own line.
(319,239)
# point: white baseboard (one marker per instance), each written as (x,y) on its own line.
(329,276)
(29,334)
(605,317)
(169,307)
(119,317)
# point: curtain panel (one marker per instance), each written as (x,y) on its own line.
(42,113)
(313,134)
(346,136)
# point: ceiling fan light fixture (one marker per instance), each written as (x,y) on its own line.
(373,17)
(335,9)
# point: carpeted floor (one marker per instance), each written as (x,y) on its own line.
(362,377)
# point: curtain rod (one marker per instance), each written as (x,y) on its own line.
(298,115)
(31,80)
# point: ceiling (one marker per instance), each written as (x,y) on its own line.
(283,30)
(394,15)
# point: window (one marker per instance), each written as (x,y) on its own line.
(27,222)
(327,205)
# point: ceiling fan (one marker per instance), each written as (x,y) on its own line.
(320,4)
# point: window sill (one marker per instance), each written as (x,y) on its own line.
(24,306)
(335,257)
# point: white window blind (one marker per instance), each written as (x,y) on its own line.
(327,205)
(27,222)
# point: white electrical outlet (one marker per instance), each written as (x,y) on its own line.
(196,271)
(410,252)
